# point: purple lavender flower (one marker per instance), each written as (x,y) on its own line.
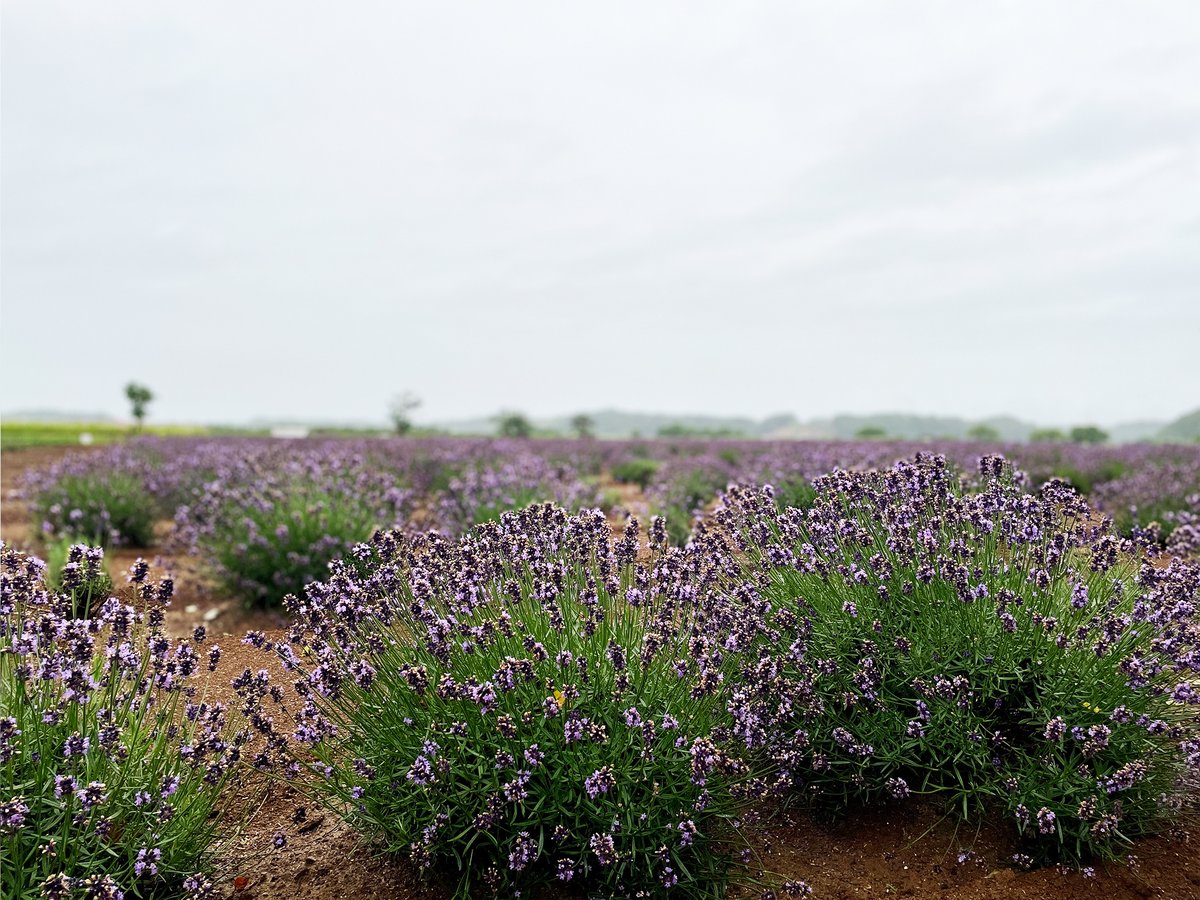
(1055,729)
(93,795)
(76,745)
(64,785)
(797,889)
(687,832)
(524,852)
(603,846)
(13,813)
(600,782)
(1047,821)
(575,728)
(898,788)
(147,862)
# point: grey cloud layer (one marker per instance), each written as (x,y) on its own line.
(289,210)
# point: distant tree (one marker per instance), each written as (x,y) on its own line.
(139,398)
(583,425)
(870,433)
(1047,436)
(1088,434)
(983,432)
(514,425)
(401,412)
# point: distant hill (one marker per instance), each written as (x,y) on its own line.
(613,423)
(912,427)
(1185,428)
(1132,432)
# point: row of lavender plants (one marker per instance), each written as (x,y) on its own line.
(534,703)
(267,517)
(1139,485)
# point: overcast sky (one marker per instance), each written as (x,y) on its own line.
(288,209)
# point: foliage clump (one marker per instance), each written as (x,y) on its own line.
(639,471)
(682,498)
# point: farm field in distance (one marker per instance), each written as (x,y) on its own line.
(764,659)
(17,435)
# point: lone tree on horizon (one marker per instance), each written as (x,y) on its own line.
(514,425)
(583,425)
(1088,434)
(401,412)
(983,432)
(1047,436)
(139,398)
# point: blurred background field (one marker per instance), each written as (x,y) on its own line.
(16,435)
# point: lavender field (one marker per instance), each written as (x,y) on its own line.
(594,667)
(587,450)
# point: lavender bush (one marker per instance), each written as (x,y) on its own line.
(1156,499)
(110,764)
(1184,539)
(528,705)
(983,645)
(109,508)
(482,493)
(271,530)
(681,499)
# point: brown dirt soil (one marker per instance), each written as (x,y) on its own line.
(900,852)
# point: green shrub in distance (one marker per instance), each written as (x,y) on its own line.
(635,471)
